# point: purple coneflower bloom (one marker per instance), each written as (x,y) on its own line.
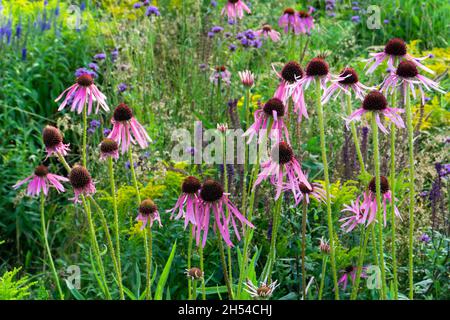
(288,21)
(221,74)
(235,8)
(109,148)
(306,193)
(350,272)
(213,198)
(395,48)
(53,141)
(148,213)
(317,69)
(125,127)
(376,103)
(408,75)
(305,21)
(247,78)
(41,181)
(152,10)
(267,32)
(357,215)
(81,181)
(188,198)
(349,83)
(324,246)
(282,163)
(83,91)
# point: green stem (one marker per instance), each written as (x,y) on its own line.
(83,152)
(362,254)
(304,216)
(392,182)
(47,247)
(273,240)
(376,156)
(327,187)
(322,279)
(244,178)
(409,124)
(224,267)
(116,220)
(202,267)
(355,135)
(189,264)
(148,238)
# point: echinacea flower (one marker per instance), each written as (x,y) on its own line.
(394,49)
(288,21)
(247,78)
(324,246)
(304,192)
(185,204)
(356,216)
(221,74)
(350,273)
(407,75)
(109,148)
(53,141)
(126,129)
(349,83)
(81,181)
(317,69)
(282,163)
(305,21)
(264,291)
(222,127)
(41,181)
(194,273)
(213,198)
(148,213)
(291,72)
(267,32)
(269,117)
(235,8)
(83,92)
(375,102)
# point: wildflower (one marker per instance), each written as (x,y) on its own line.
(267,32)
(109,148)
(213,198)
(356,19)
(194,273)
(407,75)
(282,163)
(264,291)
(84,92)
(106,132)
(324,246)
(93,66)
(138,5)
(350,272)
(235,8)
(424,238)
(53,141)
(81,181)
(148,213)
(152,10)
(270,116)
(188,199)
(122,87)
(394,49)
(288,21)
(350,82)
(213,3)
(126,127)
(222,127)
(41,181)
(216,29)
(100,56)
(221,74)
(247,78)
(80,71)
(304,192)
(356,217)
(317,69)
(114,54)
(305,22)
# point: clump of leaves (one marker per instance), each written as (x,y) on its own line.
(12,289)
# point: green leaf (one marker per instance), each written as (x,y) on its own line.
(76,294)
(165,274)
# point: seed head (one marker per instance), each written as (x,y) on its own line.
(41,171)
(147,207)
(351,77)
(108,146)
(122,113)
(52,137)
(384,185)
(79,177)
(407,69)
(85,80)
(274,104)
(282,153)
(317,67)
(211,191)
(291,72)
(395,47)
(374,101)
(191,185)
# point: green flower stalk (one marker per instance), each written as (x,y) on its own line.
(355,135)
(304,217)
(202,267)
(393,228)
(273,240)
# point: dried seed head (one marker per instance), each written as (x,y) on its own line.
(384,185)
(41,171)
(374,101)
(291,72)
(147,207)
(407,69)
(194,273)
(351,76)
(191,185)
(274,104)
(317,67)
(108,146)
(122,113)
(282,153)
(79,177)
(52,137)
(395,47)
(289,11)
(211,191)
(85,80)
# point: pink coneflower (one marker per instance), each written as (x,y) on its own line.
(148,213)
(247,78)
(264,291)
(305,21)
(317,69)
(109,148)
(282,163)
(349,83)
(394,49)
(235,8)
(350,272)
(126,128)
(53,141)
(369,205)
(81,181)
(41,181)
(213,198)
(84,91)
(221,74)
(324,246)
(375,102)
(357,214)
(188,198)
(288,21)
(269,116)
(406,75)
(267,32)
(304,192)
